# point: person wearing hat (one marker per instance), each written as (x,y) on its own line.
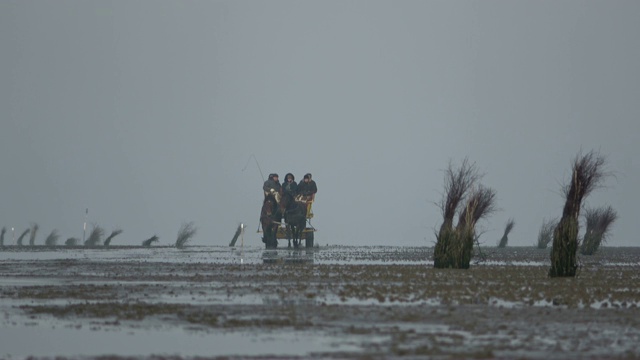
(272,187)
(290,186)
(307,190)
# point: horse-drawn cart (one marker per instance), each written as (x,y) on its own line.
(297,215)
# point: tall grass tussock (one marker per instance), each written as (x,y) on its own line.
(599,221)
(186,232)
(588,173)
(113,234)
(95,237)
(32,234)
(507,230)
(52,238)
(149,241)
(472,202)
(545,235)
(21,237)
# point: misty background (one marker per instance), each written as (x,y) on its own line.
(146,112)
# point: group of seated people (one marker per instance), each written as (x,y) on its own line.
(304,191)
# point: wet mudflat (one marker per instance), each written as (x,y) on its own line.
(333,302)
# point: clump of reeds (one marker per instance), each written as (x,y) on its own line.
(95,237)
(21,237)
(454,244)
(545,235)
(588,173)
(186,232)
(52,238)
(507,229)
(113,234)
(32,234)
(2,233)
(599,223)
(149,241)
(456,184)
(480,204)
(72,242)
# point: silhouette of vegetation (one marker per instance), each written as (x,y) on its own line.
(21,237)
(52,238)
(95,237)
(149,241)
(507,229)
(454,245)
(72,242)
(113,234)
(599,223)
(2,233)
(545,235)
(186,232)
(32,234)
(588,173)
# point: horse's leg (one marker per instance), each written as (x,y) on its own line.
(267,236)
(299,234)
(293,236)
(300,229)
(292,232)
(274,236)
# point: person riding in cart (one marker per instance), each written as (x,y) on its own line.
(307,190)
(272,187)
(290,186)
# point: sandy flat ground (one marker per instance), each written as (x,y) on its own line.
(332,302)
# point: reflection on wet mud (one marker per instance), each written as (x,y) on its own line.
(289,256)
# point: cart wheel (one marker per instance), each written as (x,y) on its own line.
(309,239)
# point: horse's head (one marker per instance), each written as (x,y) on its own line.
(269,205)
(286,201)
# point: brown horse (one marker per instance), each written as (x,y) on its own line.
(269,217)
(295,216)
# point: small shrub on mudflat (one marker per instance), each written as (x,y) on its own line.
(72,242)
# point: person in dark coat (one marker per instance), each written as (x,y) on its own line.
(307,187)
(307,190)
(272,187)
(290,186)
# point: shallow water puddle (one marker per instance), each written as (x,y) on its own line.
(20,340)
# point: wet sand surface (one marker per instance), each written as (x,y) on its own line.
(332,302)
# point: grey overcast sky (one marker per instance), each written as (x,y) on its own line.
(146,112)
